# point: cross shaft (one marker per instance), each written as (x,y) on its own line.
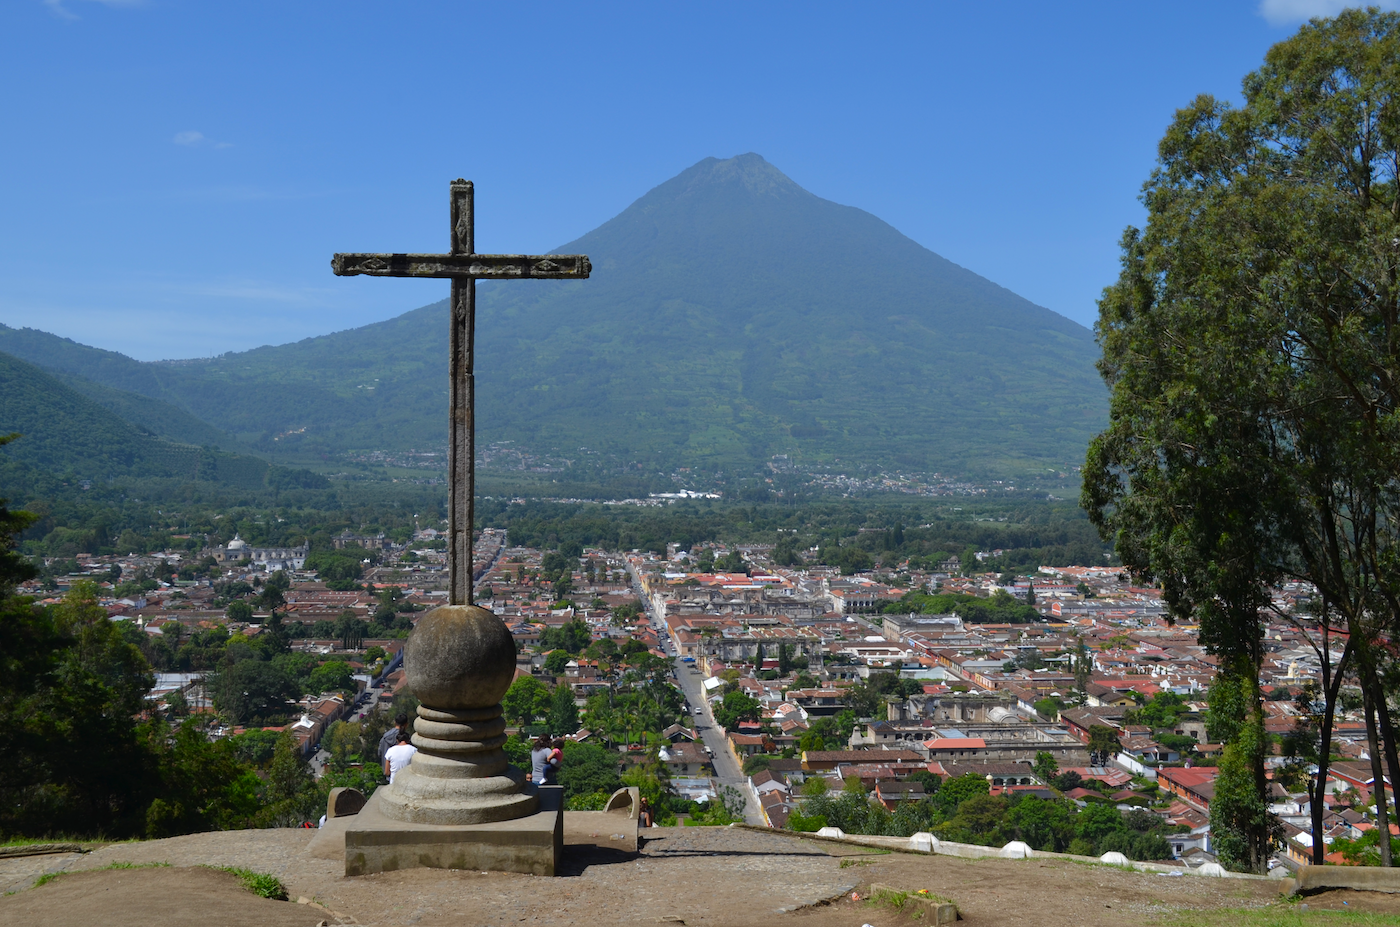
(463,267)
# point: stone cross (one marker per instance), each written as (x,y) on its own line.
(463,267)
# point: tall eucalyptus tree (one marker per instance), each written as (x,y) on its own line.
(1252,345)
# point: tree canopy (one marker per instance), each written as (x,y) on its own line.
(1252,346)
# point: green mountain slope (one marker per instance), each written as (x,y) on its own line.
(157,416)
(66,435)
(731,316)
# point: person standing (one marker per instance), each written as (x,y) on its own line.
(398,756)
(391,736)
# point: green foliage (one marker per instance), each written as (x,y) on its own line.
(1242,828)
(999,608)
(588,769)
(1160,711)
(525,700)
(259,883)
(1045,766)
(1103,743)
(255,747)
(557,662)
(73,688)
(332,676)
(732,562)
(1253,418)
(334,564)
(203,785)
(736,707)
(563,712)
(253,690)
(572,637)
(1364,851)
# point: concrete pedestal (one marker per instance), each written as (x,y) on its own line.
(375,842)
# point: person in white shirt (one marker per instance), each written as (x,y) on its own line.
(398,756)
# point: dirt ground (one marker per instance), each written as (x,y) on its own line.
(702,877)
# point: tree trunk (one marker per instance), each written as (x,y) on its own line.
(1332,687)
(1387,735)
(1377,776)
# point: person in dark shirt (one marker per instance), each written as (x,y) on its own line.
(391,736)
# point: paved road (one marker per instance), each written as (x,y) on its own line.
(727,769)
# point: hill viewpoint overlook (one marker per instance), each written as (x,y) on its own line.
(731,316)
(683,875)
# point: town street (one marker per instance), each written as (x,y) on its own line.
(727,769)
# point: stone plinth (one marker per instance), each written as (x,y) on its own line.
(459,662)
(532,844)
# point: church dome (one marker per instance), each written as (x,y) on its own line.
(237,543)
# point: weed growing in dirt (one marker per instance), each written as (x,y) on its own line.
(849,862)
(259,883)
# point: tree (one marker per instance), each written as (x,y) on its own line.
(735,707)
(573,636)
(588,769)
(1103,744)
(239,611)
(1045,766)
(350,629)
(253,690)
(563,712)
(556,662)
(332,676)
(342,741)
(73,688)
(525,700)
(1249,345)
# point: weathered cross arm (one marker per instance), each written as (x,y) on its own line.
(465,266)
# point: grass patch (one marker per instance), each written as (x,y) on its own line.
(36,841)
(887,897)
(1284,914)
(259,883)
(850,861)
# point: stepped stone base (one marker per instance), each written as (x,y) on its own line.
(375,842)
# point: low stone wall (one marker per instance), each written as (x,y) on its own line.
(929,844)
(1311,879)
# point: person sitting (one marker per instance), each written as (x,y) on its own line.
(555,762)
(398,756)
(539,758)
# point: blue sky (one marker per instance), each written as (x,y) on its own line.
(177,173)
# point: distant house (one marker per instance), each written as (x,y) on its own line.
(1195,786)
(891,792)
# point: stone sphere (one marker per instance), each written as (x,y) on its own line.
(459,657)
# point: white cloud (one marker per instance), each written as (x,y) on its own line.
(1287,12)
(58,9)
(192,139)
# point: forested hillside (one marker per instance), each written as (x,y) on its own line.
(67,440)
